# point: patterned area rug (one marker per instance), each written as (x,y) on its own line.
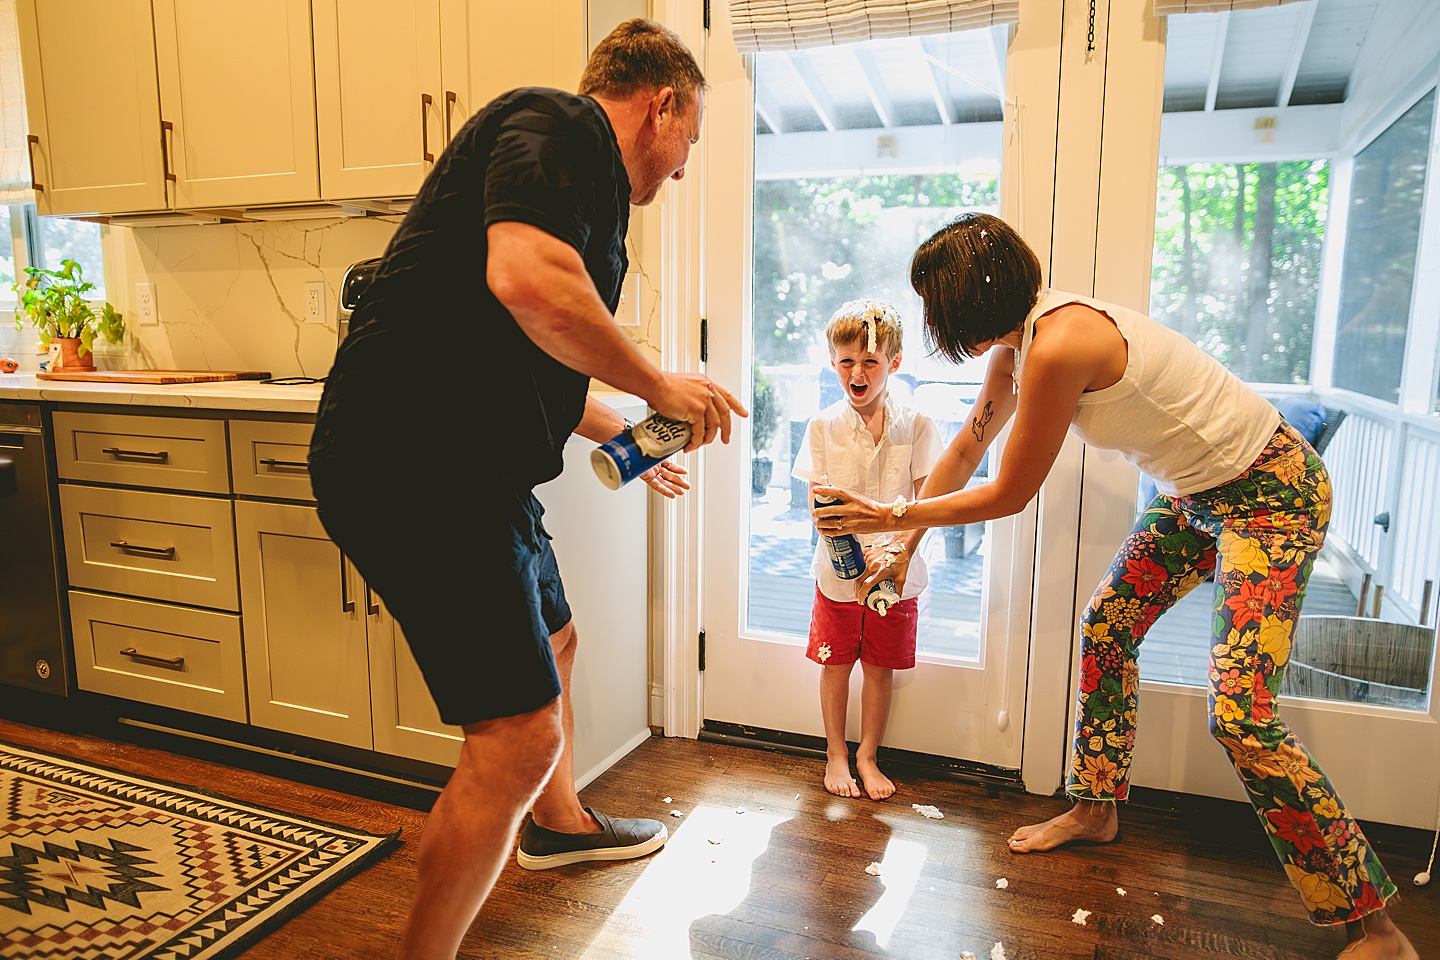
(98,863)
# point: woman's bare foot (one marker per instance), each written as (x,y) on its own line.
(877,785)
(1375,937)
(1089,820)
(837,777)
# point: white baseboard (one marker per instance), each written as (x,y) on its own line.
(583,780)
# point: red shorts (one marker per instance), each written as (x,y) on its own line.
(841,633)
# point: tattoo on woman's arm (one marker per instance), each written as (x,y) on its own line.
(978,424)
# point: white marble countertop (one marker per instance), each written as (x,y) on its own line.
(250,395)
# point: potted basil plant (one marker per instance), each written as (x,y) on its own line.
(57,304)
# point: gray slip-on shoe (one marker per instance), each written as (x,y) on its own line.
(541,849)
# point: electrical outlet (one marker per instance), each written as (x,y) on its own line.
(149,313)
(315,301)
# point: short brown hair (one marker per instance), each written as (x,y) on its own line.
(642,55)
(978,279)
(856,318)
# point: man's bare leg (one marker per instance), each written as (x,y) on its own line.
(468,834)
(1095,821)
(834,699)
(1375,937)
(875,691)
(558,805)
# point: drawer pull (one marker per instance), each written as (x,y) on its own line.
(274,464)
(173,663)
(162,553)
(149,456)
(371,607)
(346,604)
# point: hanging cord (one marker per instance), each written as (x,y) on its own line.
(1090,37)
(1423,877)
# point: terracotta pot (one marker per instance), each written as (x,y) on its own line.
(65,355)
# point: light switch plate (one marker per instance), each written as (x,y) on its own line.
(146,310)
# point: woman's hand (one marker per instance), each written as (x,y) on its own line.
(889,561)
(667,478)
(853,513)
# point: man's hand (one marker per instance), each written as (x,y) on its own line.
(700,402)
(667,479)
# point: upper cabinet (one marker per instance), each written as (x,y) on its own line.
(236,85)
(493,47)
(153,105)
(193,104)
(395,79)
(93,109)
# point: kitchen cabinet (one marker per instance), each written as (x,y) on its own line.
(395,79)
(191,104)
(323,656)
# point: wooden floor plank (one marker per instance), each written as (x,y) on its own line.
(785,879)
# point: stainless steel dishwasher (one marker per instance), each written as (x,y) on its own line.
(32,632)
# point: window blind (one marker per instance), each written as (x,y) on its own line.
(1165,7)
(761,25)
(14,157)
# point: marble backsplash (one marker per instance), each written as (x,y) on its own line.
(231,296)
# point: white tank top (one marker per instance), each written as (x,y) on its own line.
(1177,414)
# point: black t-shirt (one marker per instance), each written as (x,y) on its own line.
(435,370)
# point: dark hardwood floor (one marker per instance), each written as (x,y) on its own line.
(786,878)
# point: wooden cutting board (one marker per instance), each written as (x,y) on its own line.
(155,376)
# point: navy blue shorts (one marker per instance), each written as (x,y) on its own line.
(472,581)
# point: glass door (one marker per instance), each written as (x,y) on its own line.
(848,157)
(1292,204)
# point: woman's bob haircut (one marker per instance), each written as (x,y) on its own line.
(978,279)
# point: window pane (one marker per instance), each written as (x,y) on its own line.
(855,165)
(7,255)
(1381,241)
(1237,262)
(62,239)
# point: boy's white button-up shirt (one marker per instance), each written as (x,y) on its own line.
(838,447)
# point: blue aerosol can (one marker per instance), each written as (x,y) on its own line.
(637,448)
(845,554)
(882,596)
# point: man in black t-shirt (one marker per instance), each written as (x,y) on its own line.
(516,243)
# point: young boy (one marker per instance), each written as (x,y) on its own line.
(868,444)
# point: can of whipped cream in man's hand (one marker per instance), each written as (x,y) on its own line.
(636,449)
(846,556)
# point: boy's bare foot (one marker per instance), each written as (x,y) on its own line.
(837,777)
(877,785)
(1089,820)
(1375,937)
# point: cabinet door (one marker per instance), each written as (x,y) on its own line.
(378,95)
(305,661)
(237,85)
(494,47)
(407,722)
(94,113)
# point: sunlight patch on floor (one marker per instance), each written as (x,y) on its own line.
(899,872)
(693,876)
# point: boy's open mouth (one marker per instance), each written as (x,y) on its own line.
(858,389)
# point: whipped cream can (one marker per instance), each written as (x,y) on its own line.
(636,449)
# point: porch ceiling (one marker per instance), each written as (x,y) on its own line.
(1291,55)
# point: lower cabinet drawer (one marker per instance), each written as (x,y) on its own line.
(162,546)
(155,653)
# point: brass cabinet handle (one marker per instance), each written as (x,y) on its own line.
(166,127)
(346,604)
(31,142)
(161,553)
(450,99)
(425,102)
(173,663)
(371,606)
(155,456)
(274,464)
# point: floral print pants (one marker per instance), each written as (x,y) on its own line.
(1259,534)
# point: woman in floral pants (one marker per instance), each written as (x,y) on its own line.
(1265,528)
(1239,492)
